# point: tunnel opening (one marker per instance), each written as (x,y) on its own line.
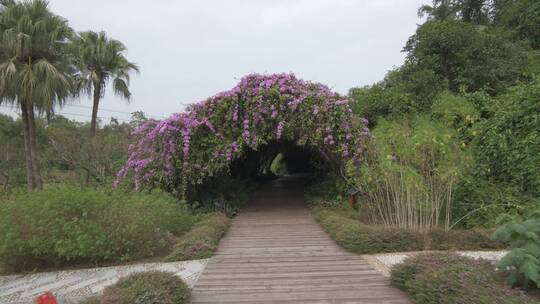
(270,163)
(277,159)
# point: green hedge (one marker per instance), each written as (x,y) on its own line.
(146,288)
(360,238)
(450,279)
(458,239)
(64,225)
(202,240)
(351,233)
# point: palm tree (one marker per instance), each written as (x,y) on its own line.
(34,69)
(101,59)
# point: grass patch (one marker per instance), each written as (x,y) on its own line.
(202,240)
(346,228)
(65,226)
(449,279)
(145,288)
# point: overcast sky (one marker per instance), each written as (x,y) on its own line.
(188,50)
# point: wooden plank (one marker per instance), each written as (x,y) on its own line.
(275,252)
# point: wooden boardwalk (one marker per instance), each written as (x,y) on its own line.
(275,252)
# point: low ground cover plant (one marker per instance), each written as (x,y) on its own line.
(66,225)
(146,288)
(450,279)
(523,261)
(202,240)
(348,230)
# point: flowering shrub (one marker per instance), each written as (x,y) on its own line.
(189,147)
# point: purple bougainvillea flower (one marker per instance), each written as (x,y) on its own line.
(196,144)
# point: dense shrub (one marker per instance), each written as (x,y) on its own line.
(450,279)
(67,225)
(459,239)
(346,227)
(507,144)
(147,288)
(505,177)
(202,240)
(523,236)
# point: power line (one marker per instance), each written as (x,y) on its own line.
(89,116)
(80,115)
(109,110)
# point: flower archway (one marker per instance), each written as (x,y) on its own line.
(189,147)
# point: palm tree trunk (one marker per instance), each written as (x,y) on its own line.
(33,147)
(26,132)
(93,122)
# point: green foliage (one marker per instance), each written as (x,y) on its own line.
(147,288)
(450,279)
(64,225)
(478,202)
(223,194)
(100,60)
(69,155)
(523,237)
(278,166)
(522,17)
(508,142)
(327,190)
(379,100)
(456,112)
(466,57)
(202,240)
(410,172)
(69,147)
(34,62)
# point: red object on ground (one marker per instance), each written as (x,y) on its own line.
(46,298)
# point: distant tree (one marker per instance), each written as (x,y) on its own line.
(439,10)
(101,59)
(466,57)
(34,68)
(520,16)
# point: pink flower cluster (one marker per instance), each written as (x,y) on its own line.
(190,146)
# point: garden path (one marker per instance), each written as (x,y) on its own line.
(275,252)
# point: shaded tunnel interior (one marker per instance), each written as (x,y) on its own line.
(277,159)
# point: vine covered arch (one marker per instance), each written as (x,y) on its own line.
(190,147)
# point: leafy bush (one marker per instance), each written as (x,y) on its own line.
(327,191)
(64,225)
(456,112)
(347,228)
(450,279)
(505,177)
(147,288)
(523,236)
(202,240)
(508,142)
